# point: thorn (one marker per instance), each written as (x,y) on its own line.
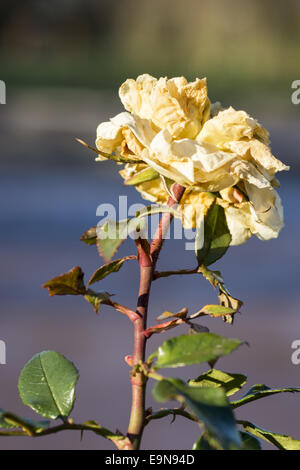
(212,363)
(128,360)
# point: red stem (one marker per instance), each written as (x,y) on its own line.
(147,261)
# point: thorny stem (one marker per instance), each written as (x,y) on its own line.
(170,412)
(121,442)
(158,274)
(147,262)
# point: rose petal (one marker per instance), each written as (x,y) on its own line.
(267,207)
(245,171)
(109,137)
(174,104)
(230,125)
(259,153)
(136,95)
(239,222)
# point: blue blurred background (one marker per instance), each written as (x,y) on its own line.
(63,62)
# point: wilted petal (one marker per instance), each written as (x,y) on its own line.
(231,195)
(194,206)
(109,137)
(130,144)
(262,216)
(239,221)
(231,125)
(136,95)
(189,162)
(174,104)
(268,212)
(124,133)
(141,128)
(178,106)
(259,153)
(245,171)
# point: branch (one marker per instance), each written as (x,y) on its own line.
(164,224)
(133,316)
(121,442)
(148,257)
(158,274)
(167,412)
(165,326)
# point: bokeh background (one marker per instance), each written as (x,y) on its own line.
(63,62)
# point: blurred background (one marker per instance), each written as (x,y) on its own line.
(62,62)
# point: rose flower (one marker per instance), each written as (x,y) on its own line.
(171,128)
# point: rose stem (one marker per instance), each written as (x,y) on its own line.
(147,266)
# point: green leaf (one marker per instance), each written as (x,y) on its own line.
(225,298)
(3,423)
(106,269)
(70,283)
(47,384)
(181,314)
(260,391)
(111,235)
(148,174)
(250,442)
(207,442)
(96,299)
(230,383)
(90,236)
(11,421)
(192,349)
(281,441)
(216,236)
(213,311)
(213,277)
(209,405)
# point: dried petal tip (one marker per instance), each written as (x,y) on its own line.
(81,142)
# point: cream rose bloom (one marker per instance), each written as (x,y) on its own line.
(170,126)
